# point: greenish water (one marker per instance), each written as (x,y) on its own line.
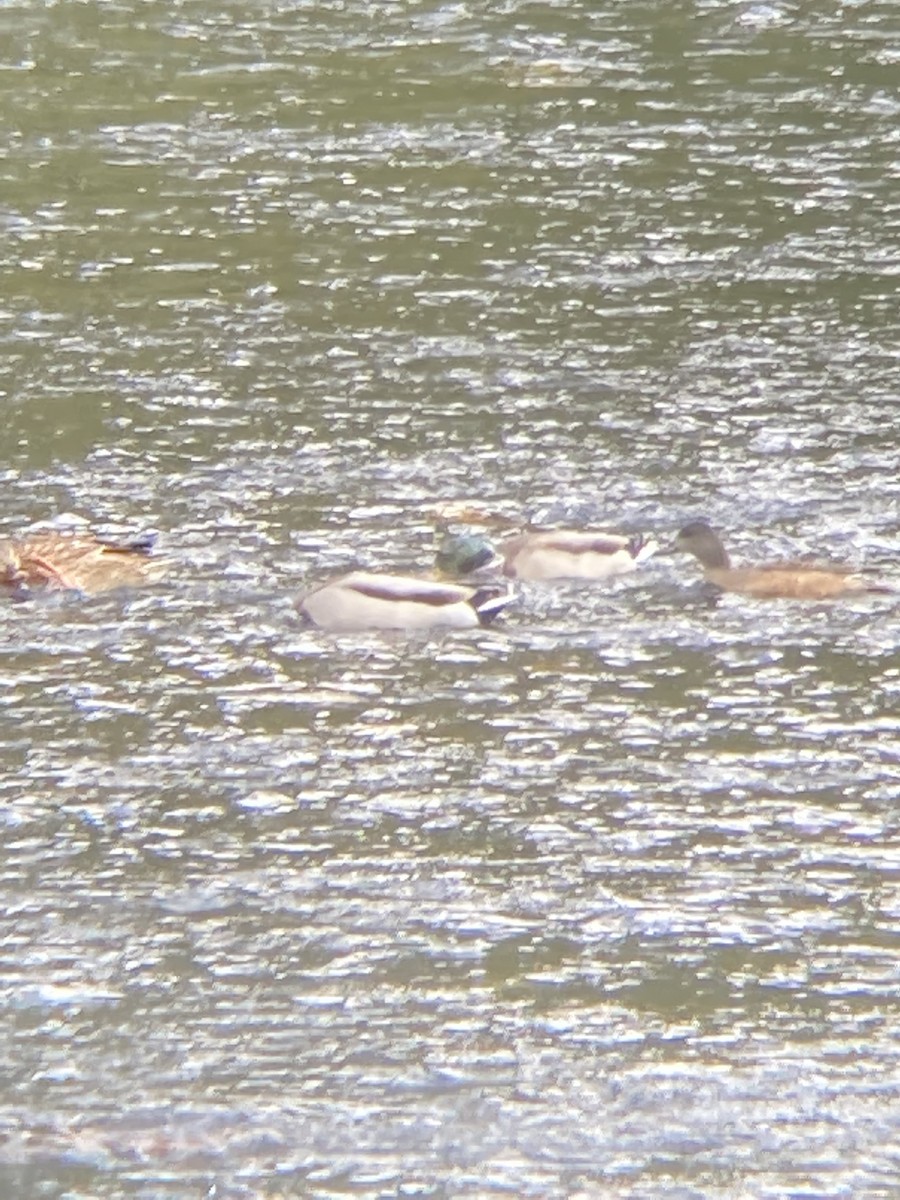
(600,902)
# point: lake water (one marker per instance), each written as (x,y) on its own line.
(599,902)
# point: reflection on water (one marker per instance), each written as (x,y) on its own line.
(599,901)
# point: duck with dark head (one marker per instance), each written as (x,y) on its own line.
(540,555)
(768,581)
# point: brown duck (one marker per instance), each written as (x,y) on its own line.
(769,581)
(60,560)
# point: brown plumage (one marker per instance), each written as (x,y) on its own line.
(768,581)
(80,562)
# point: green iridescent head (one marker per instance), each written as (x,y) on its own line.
(462,553)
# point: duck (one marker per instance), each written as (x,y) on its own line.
(373,600)
(56,560)
(778,580)
(546,555)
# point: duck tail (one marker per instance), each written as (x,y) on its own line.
(488,602)
(144,544)
(641,548)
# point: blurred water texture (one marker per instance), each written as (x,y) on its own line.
(601,901)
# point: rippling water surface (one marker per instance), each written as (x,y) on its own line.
(601,901)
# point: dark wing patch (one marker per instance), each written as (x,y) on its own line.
(415,591)
(576,542)
(488,602)
(139,545)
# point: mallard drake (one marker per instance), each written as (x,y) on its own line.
(548,555)
(369,600)
(786,580)
(76,561)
